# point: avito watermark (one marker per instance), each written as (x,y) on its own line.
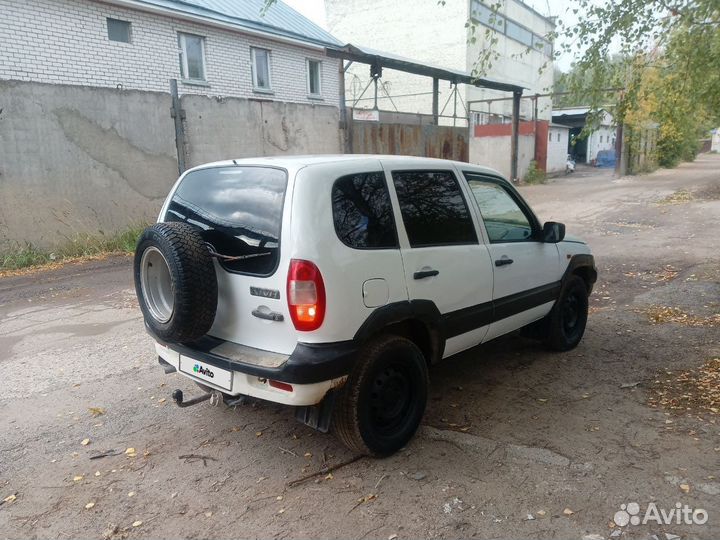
(681,514)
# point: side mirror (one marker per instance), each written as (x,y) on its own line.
(553,232)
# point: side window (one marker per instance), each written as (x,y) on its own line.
(362,211)
(504,219)
(433,208)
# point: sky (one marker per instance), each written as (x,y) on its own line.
(315,11)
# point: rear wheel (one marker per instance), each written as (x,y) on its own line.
(567,320)
(382,403)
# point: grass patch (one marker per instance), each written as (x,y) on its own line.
(534,174)
(78,247)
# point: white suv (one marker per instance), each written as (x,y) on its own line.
(331,283)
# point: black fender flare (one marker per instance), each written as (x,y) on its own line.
(586,264)
(424,311)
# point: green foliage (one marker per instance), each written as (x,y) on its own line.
(80,245)
(668,67)
(534,174)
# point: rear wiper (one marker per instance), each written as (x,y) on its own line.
(230,258)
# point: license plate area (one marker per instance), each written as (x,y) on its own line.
(204,372)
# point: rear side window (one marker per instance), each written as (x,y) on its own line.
(239,212)
(362,211)
(433,208)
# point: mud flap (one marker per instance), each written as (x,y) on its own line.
(318,416)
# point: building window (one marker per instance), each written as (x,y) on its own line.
(550,136)
(192,57)
(118,30)
(261,69)
(558,136)
(314,78)
(519,33)
(488,16)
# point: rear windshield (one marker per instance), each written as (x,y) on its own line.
(239,212)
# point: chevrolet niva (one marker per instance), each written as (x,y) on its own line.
(331,283)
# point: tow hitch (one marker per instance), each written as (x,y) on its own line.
(215,398)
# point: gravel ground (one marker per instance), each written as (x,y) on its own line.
(516,441)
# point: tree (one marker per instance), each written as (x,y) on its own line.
(668,66)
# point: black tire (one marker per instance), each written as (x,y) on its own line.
(383,401)
(186,310)
(567,320)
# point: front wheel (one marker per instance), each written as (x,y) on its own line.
(567,320)
(383,401)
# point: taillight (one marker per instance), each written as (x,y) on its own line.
(306,295)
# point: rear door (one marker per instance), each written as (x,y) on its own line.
(240,212)
(526,270)
(444,259)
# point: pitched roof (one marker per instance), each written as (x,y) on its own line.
(279,20)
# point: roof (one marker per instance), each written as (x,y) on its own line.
(280,20)
(579,115)
(571,111)
(298,162)
(388,60)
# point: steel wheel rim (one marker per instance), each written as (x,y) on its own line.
(390,398)
(571,314)
(157,286)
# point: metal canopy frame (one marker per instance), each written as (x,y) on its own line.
(380,59)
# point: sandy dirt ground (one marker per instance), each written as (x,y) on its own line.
(516,442)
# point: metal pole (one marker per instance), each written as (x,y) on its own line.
(344,124)
(455,95)
(515,136)
(435,99)
(178,115)
(376,93)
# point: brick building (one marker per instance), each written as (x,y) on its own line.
(212,47)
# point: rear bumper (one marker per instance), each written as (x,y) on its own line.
(312,369)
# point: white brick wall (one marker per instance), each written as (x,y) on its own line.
(65,41)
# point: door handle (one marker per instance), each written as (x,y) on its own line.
(503,262)
(425,273)
(268,315)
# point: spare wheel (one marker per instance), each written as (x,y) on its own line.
(175,282)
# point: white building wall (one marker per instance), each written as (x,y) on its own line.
(533,70)
(65,41)
(421,30)
(715,142)
(601,139)
(557,149)
(427,31)
(493,152)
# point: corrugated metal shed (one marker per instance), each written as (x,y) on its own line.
(280,19)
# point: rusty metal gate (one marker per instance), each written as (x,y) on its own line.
(445,142)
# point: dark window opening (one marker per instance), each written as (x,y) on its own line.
(238,211)
(118,30)
(362,211)
(433,208)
